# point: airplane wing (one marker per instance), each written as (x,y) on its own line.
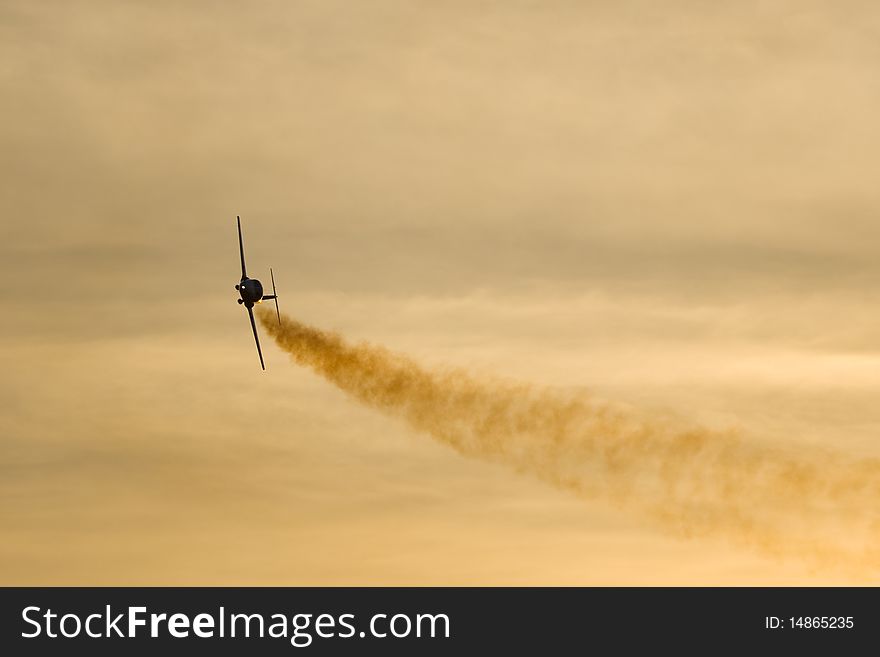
(241,249)
(256,337)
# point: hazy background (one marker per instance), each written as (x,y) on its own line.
(672,204)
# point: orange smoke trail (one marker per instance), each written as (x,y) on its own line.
(694,481)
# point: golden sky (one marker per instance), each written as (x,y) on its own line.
(673,205)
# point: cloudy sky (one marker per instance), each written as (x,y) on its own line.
(673,205)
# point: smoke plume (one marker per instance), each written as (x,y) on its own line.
(690,480)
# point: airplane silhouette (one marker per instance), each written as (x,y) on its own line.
(251,292)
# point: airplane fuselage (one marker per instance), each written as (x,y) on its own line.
(250,290)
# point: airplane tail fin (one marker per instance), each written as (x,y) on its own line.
(275,296)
